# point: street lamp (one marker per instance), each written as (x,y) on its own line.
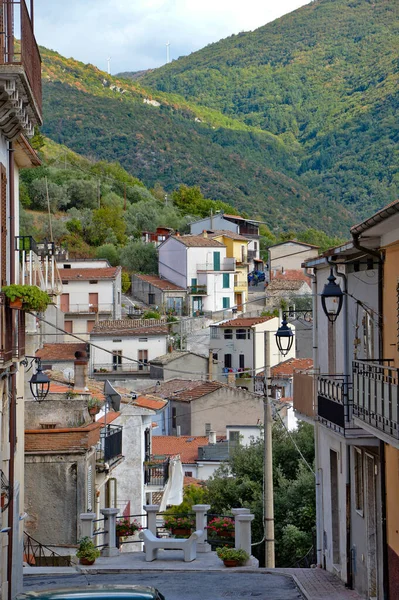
(39,383)
(332,298)
(284,337)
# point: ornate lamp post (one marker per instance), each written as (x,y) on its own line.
(332,298)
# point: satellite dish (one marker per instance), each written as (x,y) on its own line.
(68,374)
(112,396)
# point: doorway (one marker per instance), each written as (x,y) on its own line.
(93,302)
(239,301)
(65,303)
(371,525)
(116,359)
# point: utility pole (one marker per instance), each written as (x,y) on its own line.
(268,463)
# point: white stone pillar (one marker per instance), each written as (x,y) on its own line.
(86,524)
(110,548)
(245,540)
(236,512)
(200,524)
(152,511)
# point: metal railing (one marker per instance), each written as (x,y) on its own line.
(26,53)
(376,395)
(228,264)
(156,473)
(197,290)
(127,367)
(110,443)
(39,555)
(102,307)
(334,407)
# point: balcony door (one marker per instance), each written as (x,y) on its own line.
(116,359)
(65,303)
(143,358)
(93,302)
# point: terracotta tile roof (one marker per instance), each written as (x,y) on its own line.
(150,402)
(185,445)
(229,234)
(87,274)
(162,284)
(278,285)
(133,327)
(289,275)
(185,390)
(286,368)
(245,322)
(60,352)
(193,481)
(171,356)
(197,241)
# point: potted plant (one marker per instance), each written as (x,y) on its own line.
(222,527)
(180,526)
(126,528)
(26,297)
(232,557)
(94,406)
(87,552)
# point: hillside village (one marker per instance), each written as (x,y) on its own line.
(170,360)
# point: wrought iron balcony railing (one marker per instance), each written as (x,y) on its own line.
(156,473)
(126,367)
(227,264)
(333,402)
(110,443)
(376,396)
(197,290)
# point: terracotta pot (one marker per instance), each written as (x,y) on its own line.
(17,303)
(230,563)
(181,532)
(86,561)
(94,410)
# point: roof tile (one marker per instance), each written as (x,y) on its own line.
(87,274)
(131,327)
(184,445)
(245,321)
(162,284)
(196,241)
(56,352)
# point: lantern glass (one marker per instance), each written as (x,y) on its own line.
(39,385)
(332,298)
(284,337)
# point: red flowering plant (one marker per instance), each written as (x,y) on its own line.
(173,522)
(126,528)
(219,526)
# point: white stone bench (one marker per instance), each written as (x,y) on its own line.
(152,544)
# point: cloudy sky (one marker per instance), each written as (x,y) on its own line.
(134,32)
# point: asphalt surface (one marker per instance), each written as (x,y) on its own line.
(185,586)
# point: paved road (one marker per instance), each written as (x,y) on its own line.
(187,586)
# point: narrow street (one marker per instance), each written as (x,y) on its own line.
(183,585)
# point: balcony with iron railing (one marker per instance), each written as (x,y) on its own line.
(110,445)
(334,406)
(156,472)
(197,290)
(87,308)
(304,394)
(20,69)
(226,264)
(376,397)
(115,368)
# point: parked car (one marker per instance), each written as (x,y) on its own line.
(96,592)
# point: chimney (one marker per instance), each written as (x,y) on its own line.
(231,378)
(212,437)
(80,368)
(205,233)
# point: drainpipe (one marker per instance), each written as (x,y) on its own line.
(380,257)
(319,472)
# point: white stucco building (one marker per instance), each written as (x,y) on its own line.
(290,255)
(199,264)
(89,294)
(239,348)
(126,346)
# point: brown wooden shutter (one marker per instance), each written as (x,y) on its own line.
(3,230)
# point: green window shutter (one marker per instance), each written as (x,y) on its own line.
(194,282)
(226,302)
(216,261)
(226,280)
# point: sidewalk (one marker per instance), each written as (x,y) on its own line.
(314,584)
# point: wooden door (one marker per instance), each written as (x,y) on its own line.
(93,302)
(239,301)
(65,303)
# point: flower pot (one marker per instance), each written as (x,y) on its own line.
(16,304)
(86,561)
(230,563)
(180,532)
(94,410)
(225,534)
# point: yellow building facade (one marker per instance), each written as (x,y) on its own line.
(237,247)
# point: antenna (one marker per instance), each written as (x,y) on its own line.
(167,52)
(109,64)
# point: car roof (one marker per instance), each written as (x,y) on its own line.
(95,592)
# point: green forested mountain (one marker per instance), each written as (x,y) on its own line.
(324,77)
(166,139)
